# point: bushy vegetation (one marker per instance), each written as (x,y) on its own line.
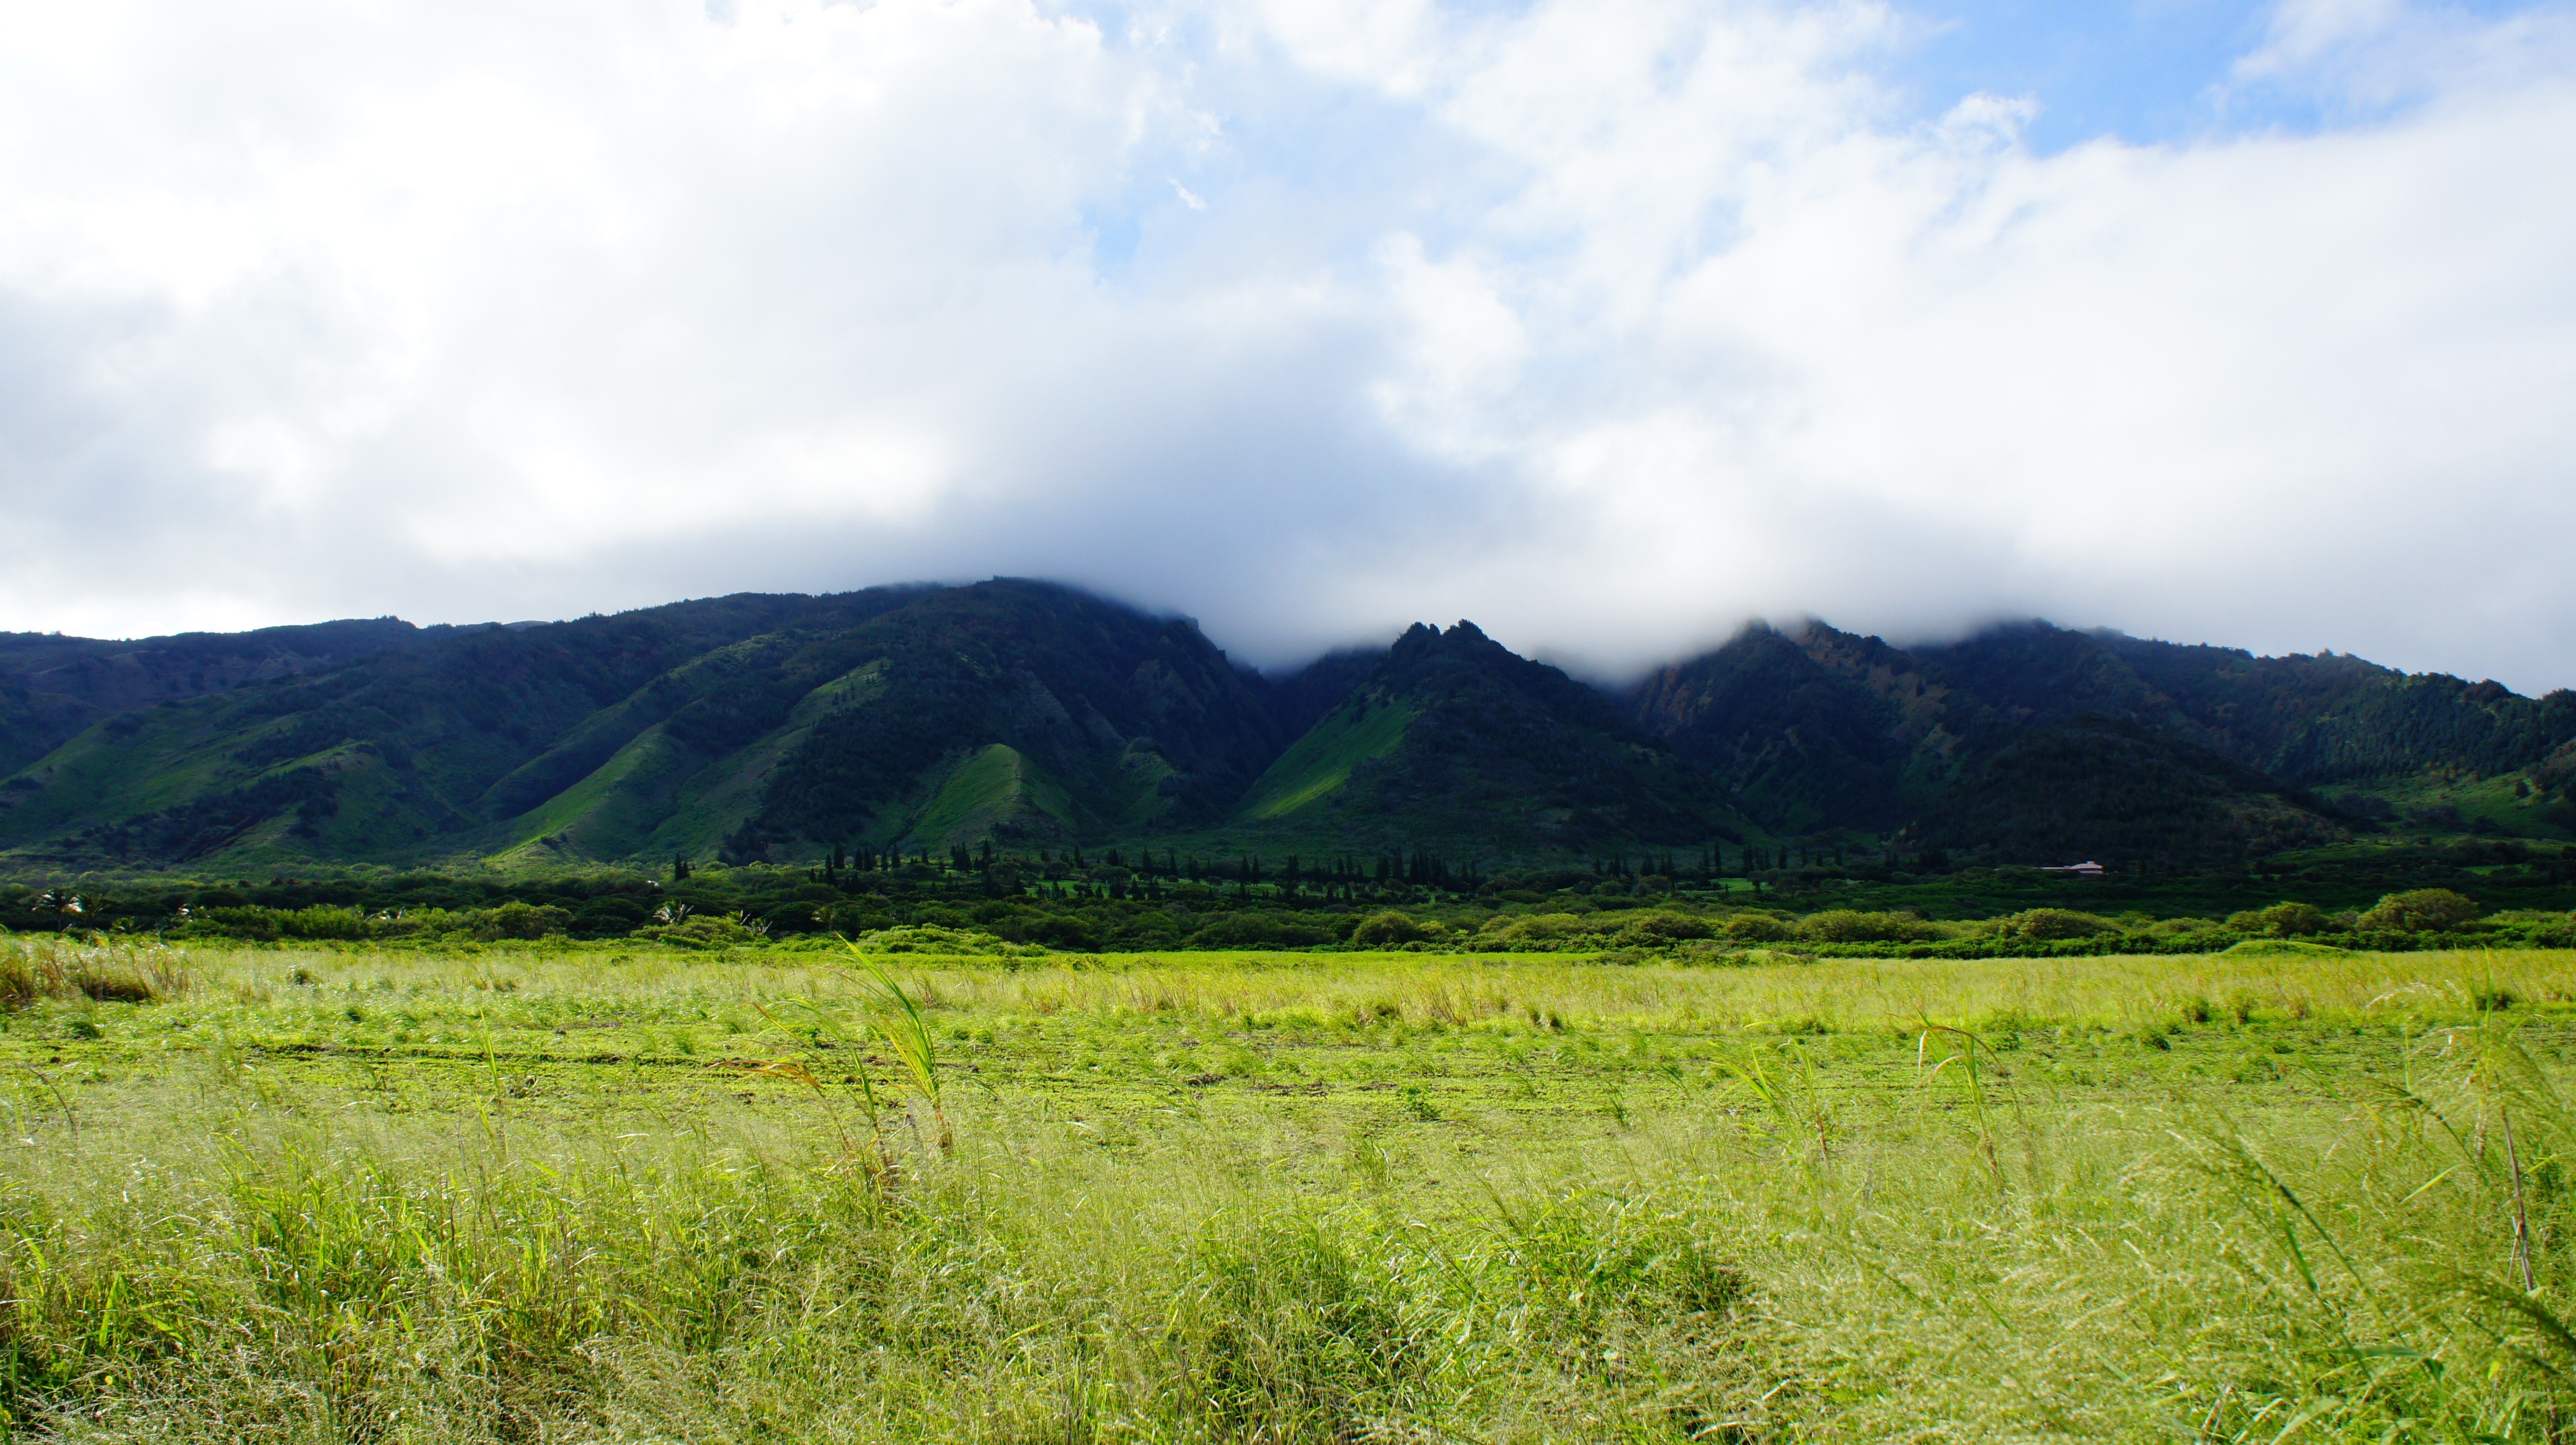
(370,1195)
(48,969)
(1714,906)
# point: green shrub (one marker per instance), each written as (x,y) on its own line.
(1259,930)
(1850,925)
(1389,929)
(1538,926)
(322,922)
(1756,928)
(2282,947)
(1661,927)
(2176,928)
(609,916)
(2054,923)
(944,942)
(2422,910)
(1064,933)
(2281,920)
(261,924)
(698,933)
(522,920)
(1541,931)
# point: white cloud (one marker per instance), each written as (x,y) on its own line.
(1604,323)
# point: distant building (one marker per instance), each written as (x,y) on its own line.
(2085,869)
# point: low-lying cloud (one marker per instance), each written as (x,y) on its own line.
(1605,324)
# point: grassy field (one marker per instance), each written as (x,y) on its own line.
(305,1196)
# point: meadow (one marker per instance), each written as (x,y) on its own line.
(575,1193)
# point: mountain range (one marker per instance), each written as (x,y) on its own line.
(929,717)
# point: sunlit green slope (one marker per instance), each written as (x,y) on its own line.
(745,727)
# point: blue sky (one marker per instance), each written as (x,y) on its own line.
(2144,72)
(2149,72)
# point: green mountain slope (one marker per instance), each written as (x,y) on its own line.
(748,725)
(1320,764)
(1819,731)
(52,687)
(1133,720)
(2307,720)
(386,758)
(1451,737)
(994,792)
(1800,744)
(778,727)
(2118,792)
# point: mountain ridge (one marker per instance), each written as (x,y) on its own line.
(912,717)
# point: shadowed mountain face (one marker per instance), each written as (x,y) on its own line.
(928,717)
(2306,720)
(2019,741)
(2064,792)
(1010,710)
(1451,736)
(51,687)
(1308,695)
(1798,743)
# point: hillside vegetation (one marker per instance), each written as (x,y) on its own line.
(2030,743)
(730,727)
(1033,717)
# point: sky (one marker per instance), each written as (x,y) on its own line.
(1607,325)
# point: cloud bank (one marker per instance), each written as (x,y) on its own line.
(1605,324)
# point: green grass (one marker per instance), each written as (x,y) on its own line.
(88,774)
(612,811)
(993,786)
(2489,799)
(1321,761)
(625,807)
(542,1195)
